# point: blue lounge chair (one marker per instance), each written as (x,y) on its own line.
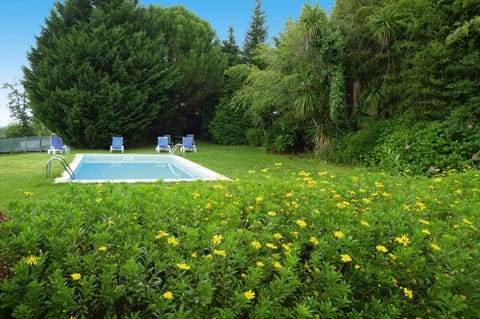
(117,144)
(188,144)
(162,144)
(56,145)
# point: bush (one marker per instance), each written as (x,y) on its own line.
(254,136)
(351,148)
(228,126)
(428,147)
(280,244)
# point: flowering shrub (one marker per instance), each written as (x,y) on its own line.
(279,244)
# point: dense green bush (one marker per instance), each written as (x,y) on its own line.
(229,125)
(351,148)
(279,244)
(428,147)
(254,136)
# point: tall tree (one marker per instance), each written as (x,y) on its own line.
(195,52)
(98,69)
(231,49)
(257,33)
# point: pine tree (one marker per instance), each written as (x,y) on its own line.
(231,49)
(257,33)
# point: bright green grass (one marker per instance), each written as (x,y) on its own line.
(20,173)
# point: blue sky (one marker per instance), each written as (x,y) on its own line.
(21,21)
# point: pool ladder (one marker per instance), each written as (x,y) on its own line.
(175,148)
(63,162)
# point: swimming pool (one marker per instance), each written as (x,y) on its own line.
(132,168)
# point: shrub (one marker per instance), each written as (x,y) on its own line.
(283,244)
(228,126)
(443,146)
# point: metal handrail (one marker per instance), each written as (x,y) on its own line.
(175,148)
(63,162)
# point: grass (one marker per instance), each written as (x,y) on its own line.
(25,172)
(290,237)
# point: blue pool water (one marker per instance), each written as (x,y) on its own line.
(96,168)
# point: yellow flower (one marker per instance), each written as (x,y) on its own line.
(339,234)
(220,253)
(346,258)
(208,257)
(435,247)
(260,264)
(76,276)
(277,265)
(167,295)
(378,184)
(217,239)
(342,204)
(208,205)
(32,260)
(403,240)
(278,164)
(271,246)
(183,266)
(277,236)
(172,241)
(408,293)
(423,221)
(194,255)
(228,195)
(272,214)
(196,195)
(29,194)
(256,244)
(258,199)
(426,232)
(364,223)
(99,200)
(301,223)
(249,294)
(314,240)
(381,249)
(161,234)
(110,222)
(102,248)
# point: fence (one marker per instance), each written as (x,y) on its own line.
(24,144)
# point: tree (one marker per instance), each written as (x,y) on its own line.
(19,111)
(231,49)
(195,52)
(231,121)
(256,34)
(98,69)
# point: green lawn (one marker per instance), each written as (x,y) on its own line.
(20,173)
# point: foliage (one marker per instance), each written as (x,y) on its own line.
(256,34)
(19,111)
(352,148)
(279,243)
(97,71)
(231,121)
(231,49)
(429,147)
(195,52)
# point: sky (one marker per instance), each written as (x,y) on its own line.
(21,21)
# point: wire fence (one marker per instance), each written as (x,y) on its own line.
(24,144)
